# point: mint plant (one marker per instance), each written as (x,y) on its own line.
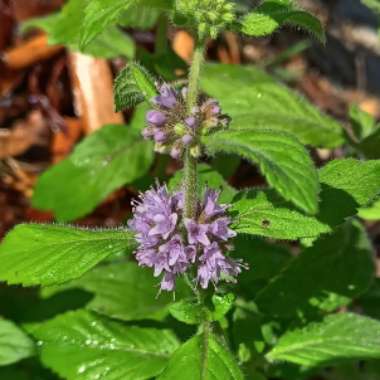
(194,286)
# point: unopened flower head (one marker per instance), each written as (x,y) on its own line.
(211,16)
(171,244)
(173,128)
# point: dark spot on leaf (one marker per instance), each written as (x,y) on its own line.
(265,223)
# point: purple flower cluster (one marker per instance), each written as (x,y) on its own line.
(171,126)
(171,244)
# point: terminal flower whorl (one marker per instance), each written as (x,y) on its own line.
(171,244)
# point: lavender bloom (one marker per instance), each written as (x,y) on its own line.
(158,224)
(197,233)
(156,118)
(213,265)
(187,139)
(167,97)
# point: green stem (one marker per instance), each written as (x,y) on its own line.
(204,359)
(190,187)
(190,163)
(194,76)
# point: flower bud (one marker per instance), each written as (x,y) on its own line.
(156,118)
(195,151)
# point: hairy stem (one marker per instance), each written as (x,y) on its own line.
(190,163)
(204,359)
(191,191)
(195,71)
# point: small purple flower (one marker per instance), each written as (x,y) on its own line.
(168,282)
(196,232)
(187,139)
(220,228)
(210,206)
(155,118)
(213,265)
(191,122)
(211,106)
(159,135)
(167,97)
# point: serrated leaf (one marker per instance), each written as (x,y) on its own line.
(347,185)
(113,156)
(360,179)
(339,336)
(188,362)
(34,254)
(124,291)
(209,177)
(14,343)
(254,100)
(64,28)
(285,163)
(338,268)
(257,213)
(133,85)
(82,346)
(273,14)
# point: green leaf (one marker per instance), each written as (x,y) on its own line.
(370,301)
(273,14)
(33,254)
(111,43)
(124,291)
(140,17)
(194,358)
(347,185)
(371,212)
(14,343)
(370,145)
(99,14)
(338,268)
(81,346)
(255,100)
(337,337)
(188,311)
(113,156)
(281,158)
(264,259)
(259,213)
(363,123)
(222,305)
(191,312)
(64,28)
(133,85)
(373,4)
(359,179)
(207,176)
